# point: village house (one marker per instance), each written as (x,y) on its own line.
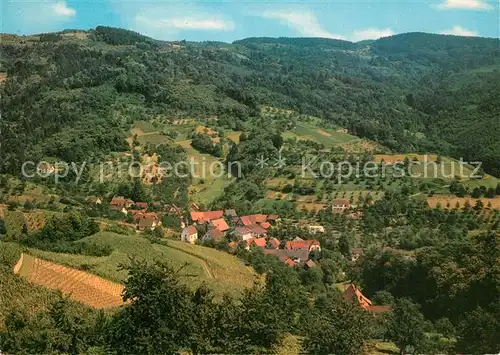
(351,292)
(256,242)
(146,220)
(243,233)
(220,224)
(213,234)
(189,234)
(339,205)
(141,205)
(289,262)
(205,217)
(273,243)
(253,219)
(309,264)
(120,203)
(297,256)
(301,244)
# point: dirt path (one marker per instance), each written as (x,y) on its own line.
(207,269)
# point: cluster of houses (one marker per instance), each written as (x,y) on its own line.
(143,219)
(249,231)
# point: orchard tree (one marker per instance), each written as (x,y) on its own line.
(406,326)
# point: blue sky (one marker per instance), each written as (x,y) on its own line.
(229,20)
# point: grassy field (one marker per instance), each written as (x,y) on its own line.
(221,271)
(327,137)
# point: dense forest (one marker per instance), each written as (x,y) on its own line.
(74,99)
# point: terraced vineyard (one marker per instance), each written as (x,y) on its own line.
(80,286)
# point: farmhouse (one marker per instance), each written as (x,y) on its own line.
(147,220)
(243,233)
(189,234)
(283,254)
(309,264)
(253,219)
(273,243)
(213,234)
(141,205)
(220,224)
(205,217)
(301,244)
(339,206)
(257,242)
(120,203)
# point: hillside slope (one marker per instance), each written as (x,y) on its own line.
(75,97)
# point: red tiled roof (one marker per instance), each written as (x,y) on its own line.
(256,229)
(288,253)
(353,292)
(265,225)
(191,230)
(253,219)
(275,243)
(300,244)
(260,242)
(220,224)
(290,262)
(215,234)
(245,220)
(206,216)
(142,204)
(310,263)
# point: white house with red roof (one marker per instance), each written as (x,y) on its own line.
(189,234)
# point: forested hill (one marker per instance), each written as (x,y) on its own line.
(74,94)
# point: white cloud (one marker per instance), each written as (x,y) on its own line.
(28,17)
(166,22)
(307,25)
(60,8)
(465,5)
(370,33)
(459,31)
(186,23)
(304,22)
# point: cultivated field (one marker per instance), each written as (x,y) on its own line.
(80,286)
(225,273)
(16,293)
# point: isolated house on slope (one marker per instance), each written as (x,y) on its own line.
(189,234)
(353,293)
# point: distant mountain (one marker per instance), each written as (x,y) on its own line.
(74,94)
